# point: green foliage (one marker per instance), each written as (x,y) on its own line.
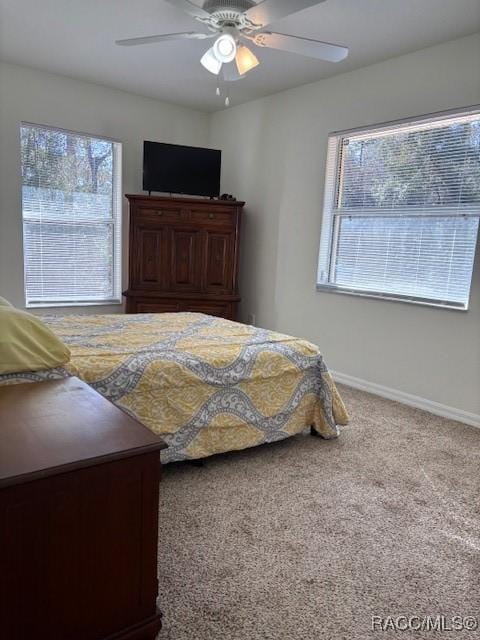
(430,167)
(66,162)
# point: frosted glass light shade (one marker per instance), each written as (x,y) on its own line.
(246,60)
(210,62)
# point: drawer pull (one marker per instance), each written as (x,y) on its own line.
(211,216)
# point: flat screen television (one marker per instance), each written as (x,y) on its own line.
(173,168)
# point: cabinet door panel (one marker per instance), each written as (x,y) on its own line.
(186,259)
(148,257)
(219,262)
(60,546)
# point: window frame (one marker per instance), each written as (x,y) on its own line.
(116,221)
(332,213)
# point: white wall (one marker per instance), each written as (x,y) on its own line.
(34,96)
(274,158)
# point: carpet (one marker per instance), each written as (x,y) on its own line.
(308,539)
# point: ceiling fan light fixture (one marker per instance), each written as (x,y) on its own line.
(225,48)
(245,60)
(211,62)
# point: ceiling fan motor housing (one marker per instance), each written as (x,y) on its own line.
(229,12)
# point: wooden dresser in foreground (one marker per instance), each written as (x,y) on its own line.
(78,516)
(183,255)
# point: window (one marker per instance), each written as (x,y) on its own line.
(71,206)
(401,211)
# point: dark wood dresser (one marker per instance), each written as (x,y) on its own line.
(183,255)
(78,516)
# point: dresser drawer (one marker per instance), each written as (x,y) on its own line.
(220,309)
(161,215)
(157,307)
(172,305)
(214,217)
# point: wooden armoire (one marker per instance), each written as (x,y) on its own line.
(183,255)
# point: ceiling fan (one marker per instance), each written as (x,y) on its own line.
(236,23)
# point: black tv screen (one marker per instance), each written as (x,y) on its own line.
(173,168)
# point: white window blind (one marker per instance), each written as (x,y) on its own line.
(71,206)
(401,210)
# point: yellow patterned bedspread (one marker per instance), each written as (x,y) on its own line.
(206,384)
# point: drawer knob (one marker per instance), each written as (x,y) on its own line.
(211,216)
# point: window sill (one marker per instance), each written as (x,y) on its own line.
(59,305)
(439,304)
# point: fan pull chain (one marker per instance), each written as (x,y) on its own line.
(219,93)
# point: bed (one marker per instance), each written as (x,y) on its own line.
(205,384)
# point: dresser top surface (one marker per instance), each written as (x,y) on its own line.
(58,426)
(184,200)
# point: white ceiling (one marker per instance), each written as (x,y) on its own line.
(76,38)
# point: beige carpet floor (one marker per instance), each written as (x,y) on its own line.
(308,539)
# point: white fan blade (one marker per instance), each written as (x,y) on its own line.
(230,72)
(188,35)
(272,10)
(190,8)
(303,46)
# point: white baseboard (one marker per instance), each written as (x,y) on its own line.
(452,413)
